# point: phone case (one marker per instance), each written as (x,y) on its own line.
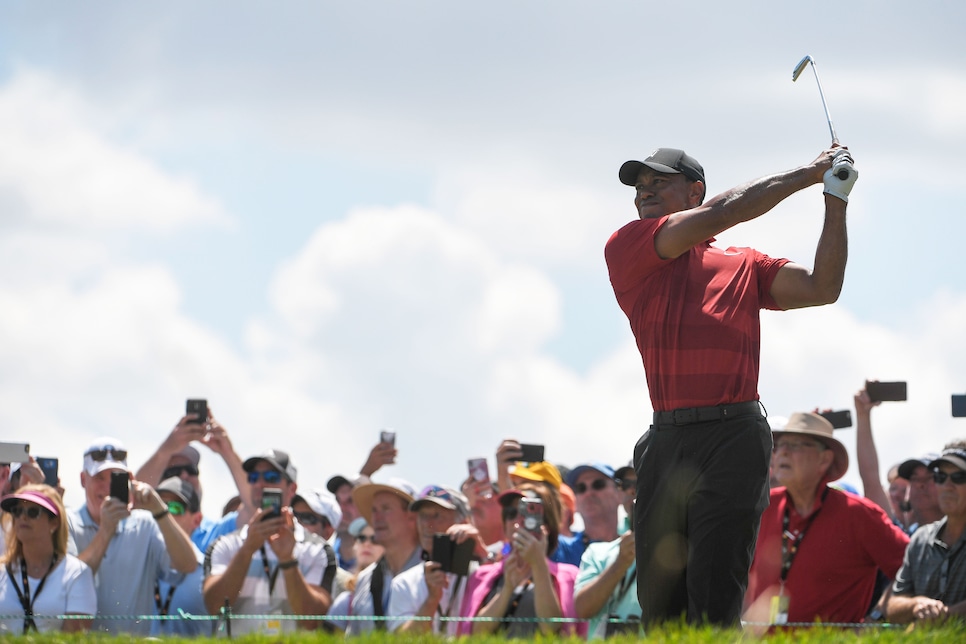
(479,470)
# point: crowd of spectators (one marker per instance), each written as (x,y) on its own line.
(536,549)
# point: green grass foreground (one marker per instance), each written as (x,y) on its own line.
(950,632)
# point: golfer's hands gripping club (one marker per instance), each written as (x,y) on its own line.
(840,178)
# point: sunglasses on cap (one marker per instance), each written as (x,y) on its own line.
(100,454)
(598,484)
(270,476)
(958,478)
(32,511)
(176,471)
(310,518)
(176,508)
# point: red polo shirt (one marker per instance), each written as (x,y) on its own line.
(695,317)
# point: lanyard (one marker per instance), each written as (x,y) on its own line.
(791,543)
(271,574)
(24,596)
(163,608)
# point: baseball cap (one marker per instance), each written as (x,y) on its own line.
(336,482)
(542,471)
(181,489)
(443,497)
(666,160)
(189,453)
(277,459)
(323,503)
(363,494)
(908,467)
(575,473)
(105,453)
(357,526)
(954,456)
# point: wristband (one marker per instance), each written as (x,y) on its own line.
(291,563)
(160,515)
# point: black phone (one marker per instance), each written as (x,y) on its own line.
(49,468)
(959,405)
(839,419)
(531,453)
(198,406)
(121,486)
(386,436)
(271,503)
(453,557)
(531,516)
(880,391)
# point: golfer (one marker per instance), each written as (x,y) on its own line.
(702,467)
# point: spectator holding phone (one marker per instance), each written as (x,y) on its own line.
(127,542)
(38,576)
(272,565)
(525,583)
(931,585)
(427,590)
(176,456)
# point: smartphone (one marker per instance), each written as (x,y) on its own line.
(531,453)
(879,391)
(49,468)
(531,516)
(479,470)
(839,419)
(271,503)
(386,436)
(453,557)
(198,406)
(14,453)
(959,405)
(121,486)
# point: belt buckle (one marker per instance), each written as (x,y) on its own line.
(685,416)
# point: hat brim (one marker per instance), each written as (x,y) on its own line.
(363,496)
(336,482)
(839,466)
(952,459)
(33,497)
(631,170)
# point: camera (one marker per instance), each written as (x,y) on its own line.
(453,557)
(531,516)
(271,503)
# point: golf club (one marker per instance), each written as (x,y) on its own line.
(799,68)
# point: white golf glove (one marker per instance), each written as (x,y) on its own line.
(840,178)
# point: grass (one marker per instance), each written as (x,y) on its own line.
(944,633)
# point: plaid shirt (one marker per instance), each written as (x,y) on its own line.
(932,568)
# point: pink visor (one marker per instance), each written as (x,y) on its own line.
(34,497)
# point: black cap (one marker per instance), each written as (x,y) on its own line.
(183,490)
(908,467)
(277,459)
(336,482)
(666,160)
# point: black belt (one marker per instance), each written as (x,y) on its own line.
(691,415)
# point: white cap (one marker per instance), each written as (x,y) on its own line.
(324,504)
(110,462)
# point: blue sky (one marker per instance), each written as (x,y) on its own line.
(330,218)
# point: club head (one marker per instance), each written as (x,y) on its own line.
(800,67)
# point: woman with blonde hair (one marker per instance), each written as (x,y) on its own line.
(37,576)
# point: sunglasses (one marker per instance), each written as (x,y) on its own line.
(176,508)
(309,518)
(270,476)
(958,478)
(177,470)
(99,455)
(32,511)
(627,484)
(598,484)
(363,538)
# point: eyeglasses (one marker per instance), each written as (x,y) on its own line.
(598,484)
(627,484)
(32,511)
(269,476)
(795,446)
(363,538)
(958,478)
(176,508)
(176,471)
(309,518)
(100,454)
